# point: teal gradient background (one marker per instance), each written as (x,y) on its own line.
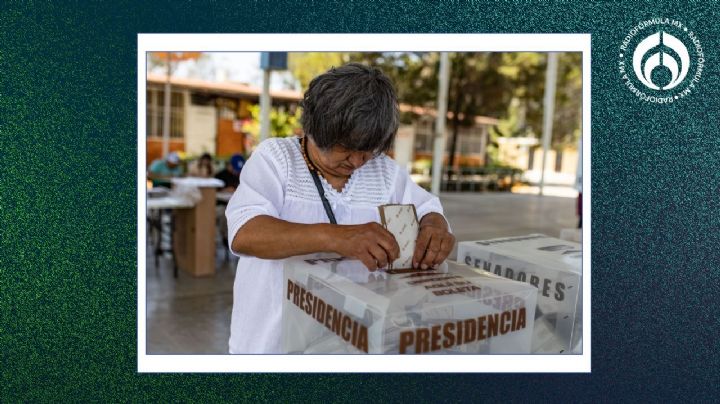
(68,155)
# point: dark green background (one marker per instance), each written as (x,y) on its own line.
(68,152)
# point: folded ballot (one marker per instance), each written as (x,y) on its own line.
(554,267)
(334,305)
(402,222)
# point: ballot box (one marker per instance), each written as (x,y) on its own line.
(574,235)
(551,265)
(334,305)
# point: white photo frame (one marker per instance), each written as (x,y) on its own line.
(359,43)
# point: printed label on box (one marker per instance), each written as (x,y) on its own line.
(334,305)
(551,265)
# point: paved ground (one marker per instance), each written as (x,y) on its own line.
(191,315)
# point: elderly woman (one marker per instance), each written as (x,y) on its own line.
(320,193)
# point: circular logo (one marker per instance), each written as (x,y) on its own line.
(661,60)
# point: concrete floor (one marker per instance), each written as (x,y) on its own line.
(192,315)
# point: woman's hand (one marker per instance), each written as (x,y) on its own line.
(369,243)
(434,243)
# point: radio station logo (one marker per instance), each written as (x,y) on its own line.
(661,60)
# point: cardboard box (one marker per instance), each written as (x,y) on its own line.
(551,265)
(194,236)
(333,305)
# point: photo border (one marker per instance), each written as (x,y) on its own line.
(151,363)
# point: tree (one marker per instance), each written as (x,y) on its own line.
(414,74)
(568,114)
(476,86)
(525,114)
(508,86)
(282,123)
(305,66)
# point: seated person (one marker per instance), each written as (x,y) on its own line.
(161,171)
(202,167)
(231,174)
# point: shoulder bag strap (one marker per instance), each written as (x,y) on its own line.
(321,191)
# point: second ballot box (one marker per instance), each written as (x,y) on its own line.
(551,265)
(333,305)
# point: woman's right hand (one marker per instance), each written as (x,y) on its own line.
(369,243)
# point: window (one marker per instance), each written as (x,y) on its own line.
(149,111)
(471,141)
(202,99)
(155,107)
(424,136)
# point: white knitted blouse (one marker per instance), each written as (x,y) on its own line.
(276,182)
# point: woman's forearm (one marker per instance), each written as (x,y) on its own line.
(267,237)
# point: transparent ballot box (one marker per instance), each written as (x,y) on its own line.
(551,265)
(333,305)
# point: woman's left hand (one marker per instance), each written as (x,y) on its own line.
(434,243)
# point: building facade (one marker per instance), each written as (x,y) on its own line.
(205,117)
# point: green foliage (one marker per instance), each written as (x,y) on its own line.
(282,123)
(305,66)
(509,86)
(525,113)
(568,100)
(414,74)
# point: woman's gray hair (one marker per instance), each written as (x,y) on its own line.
(353,106)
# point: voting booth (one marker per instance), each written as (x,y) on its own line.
(334,305)
(552,266)
(194,230)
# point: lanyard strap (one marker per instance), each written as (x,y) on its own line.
(321,191)
(316,179)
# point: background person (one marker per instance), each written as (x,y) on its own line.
(230,175)
(161,171)
(202,167)
(350,118)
